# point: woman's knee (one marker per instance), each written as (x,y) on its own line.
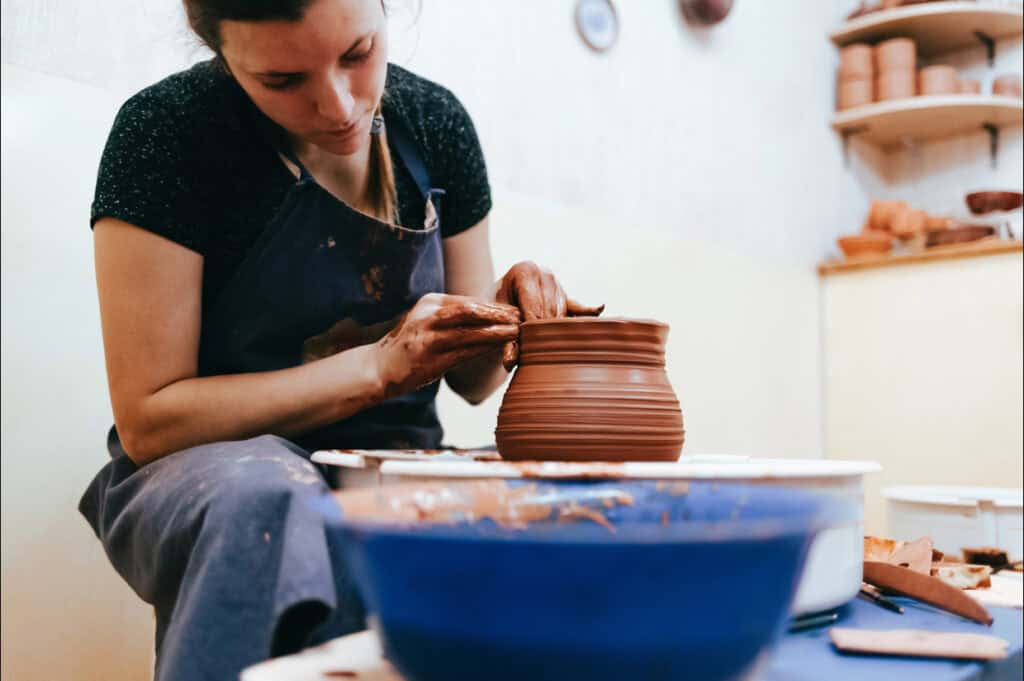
(257,470)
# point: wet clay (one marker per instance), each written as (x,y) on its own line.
(442,503)
(591,389)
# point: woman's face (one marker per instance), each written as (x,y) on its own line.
(319,78)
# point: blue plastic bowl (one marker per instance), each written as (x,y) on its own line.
(694,582)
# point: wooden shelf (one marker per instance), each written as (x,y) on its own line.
(889,123)
(969,250)
(936,27)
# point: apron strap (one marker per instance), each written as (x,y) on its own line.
(288,153)
(408,151)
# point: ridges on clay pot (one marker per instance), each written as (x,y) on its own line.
(591,389)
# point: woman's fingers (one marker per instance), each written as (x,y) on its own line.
(575,309)
(458,311)
(456,357)
(554,296)
(510,355)
(529,295)
(460,337)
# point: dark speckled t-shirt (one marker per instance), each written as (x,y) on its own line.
(189,159)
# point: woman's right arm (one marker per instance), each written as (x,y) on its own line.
(150,292)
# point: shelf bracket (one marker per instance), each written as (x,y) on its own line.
(993,142)
(846,134)
(990,46)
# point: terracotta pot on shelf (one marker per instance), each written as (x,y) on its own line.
(939,79)
(895,85)
(959,234)
(856,62)
(968,86)
(1007,85)
(936,223)
(854,93)
(862,9)
(980,203)
(895,54)
(909,223)
(866,243)
(881,214)
(591,389)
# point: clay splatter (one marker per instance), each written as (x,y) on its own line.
(373,282)
(575,512)
(676,489)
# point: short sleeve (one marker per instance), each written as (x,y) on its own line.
(151,173)
(463,172)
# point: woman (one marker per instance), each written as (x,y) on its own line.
(291,250)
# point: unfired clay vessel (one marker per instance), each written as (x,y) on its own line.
(896,54)
(865,243)
(895,85)
(992,201)
(968,86)
(591,389)
(854,93)
(1007,85)
(856,62)
(939,79)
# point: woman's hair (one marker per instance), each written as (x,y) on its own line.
(204,16)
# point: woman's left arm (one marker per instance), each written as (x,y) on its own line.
(469,271)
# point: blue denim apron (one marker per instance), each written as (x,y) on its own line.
(225,539)
(319,264)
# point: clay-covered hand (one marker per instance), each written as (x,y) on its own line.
(538,295)
(439,332)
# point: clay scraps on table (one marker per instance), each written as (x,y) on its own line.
(445,503)
(915,555)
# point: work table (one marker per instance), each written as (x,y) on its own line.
(800,656)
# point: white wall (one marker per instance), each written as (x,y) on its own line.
(66,614)
(687,175)
(924,374)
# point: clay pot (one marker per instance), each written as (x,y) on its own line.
(935,223)
(705,12)
(1007,85)
(909,223)
(591,389)
(863,9)
(895,85)
(854,93)
(937,80)
(987,202)
(895,54)
(968,86)
(959,235)
(865,243)
(882,213)
(856,62)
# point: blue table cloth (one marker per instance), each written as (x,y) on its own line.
(810,656)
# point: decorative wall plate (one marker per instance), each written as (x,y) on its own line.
(598,23)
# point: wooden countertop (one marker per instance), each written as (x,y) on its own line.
(950,252)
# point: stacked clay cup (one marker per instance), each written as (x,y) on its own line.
(968,86)
(939,79)
(1007,85)
(856,79)
(895,68)
(590,389)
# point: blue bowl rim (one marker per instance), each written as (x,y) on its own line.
(824,510)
